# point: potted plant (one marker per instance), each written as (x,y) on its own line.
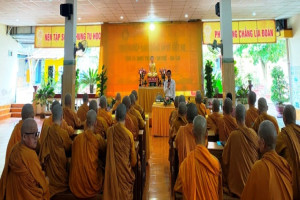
(42,96)
(77,84)
(242,95)
(279,90)
(101,82)
(89,78)
(209,79)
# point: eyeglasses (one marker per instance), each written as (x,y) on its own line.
(35,134)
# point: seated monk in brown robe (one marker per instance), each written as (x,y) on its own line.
(185,139)
(22,177)
(118,102)
(69,115)
(131,122)
(200,174)
(271,176)
(27,112)
(262,109)
(137,106)
(252,112)
(174,113)
(101,125)
(228,124)
(288,146)
(239,154)
(120,159)
(84,108)
(215,118)
(200,106)
(179,121)
(87,164)
(56,143)
(136,113)
(102,111)
(49,121)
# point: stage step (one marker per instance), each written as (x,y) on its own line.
(5,116)
(17,105)
(16,110)
(16,115)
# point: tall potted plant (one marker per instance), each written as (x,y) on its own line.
(209,79)
(101,82)
(42,96)
(89,78)
(279,90)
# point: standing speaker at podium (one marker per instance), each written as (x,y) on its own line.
(169,86)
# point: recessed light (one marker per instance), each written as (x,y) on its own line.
(17,20)
(254,13)
(121,17)
(79,18)
(152,27)
(186,15)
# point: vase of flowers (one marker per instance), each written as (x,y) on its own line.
(167,101)
(142,73)
(163,74)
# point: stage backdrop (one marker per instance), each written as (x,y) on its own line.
(127,47)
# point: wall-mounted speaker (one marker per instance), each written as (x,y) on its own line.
(281,24)
(217,9)
(66,10)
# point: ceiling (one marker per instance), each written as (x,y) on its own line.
(38,12)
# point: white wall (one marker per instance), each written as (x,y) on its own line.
(8,67)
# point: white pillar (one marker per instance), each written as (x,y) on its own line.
(68,82)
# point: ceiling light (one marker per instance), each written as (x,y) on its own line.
(254,13)
(152,27)
(79,18)
(17,20)
(121,17)
(186,15)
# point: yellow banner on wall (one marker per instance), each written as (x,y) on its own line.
(243,32)
(53,36)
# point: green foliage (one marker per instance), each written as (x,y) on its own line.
(101,82)
(77,84)
(45,92)
(209,78)
(279,87)
(88,78)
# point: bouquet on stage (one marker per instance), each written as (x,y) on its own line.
(142,73)
(167,101)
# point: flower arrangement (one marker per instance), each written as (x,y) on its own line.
(163,74)
(142,73)
(167,101)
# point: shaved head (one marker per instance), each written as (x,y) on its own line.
(251,98)
(68,99)
(54,104)
(118,96)
(268,134)
(182,109)
(93,106)
(227,107)
(176,101)
(262,105)
(57,113)
(289,115)
(199,129)
(132,98)
(192,112)
(27,111)
(103,102)
(135,94)
(126,101)
(229,95)
(121,112)
(198,98)
(216,105)
(28,133)
(91,118)
(240,113)
(85,98)
(181,99)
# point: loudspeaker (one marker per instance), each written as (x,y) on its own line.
(66,10)
(217,9)
(281,24)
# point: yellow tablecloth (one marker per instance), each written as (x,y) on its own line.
(147,96)
(160,119)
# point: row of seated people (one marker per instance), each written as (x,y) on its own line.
(99,160)
(258,161)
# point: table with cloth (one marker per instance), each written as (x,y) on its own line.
(147,96)
(160,118)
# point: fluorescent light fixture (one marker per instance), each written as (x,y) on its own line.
(121,17)
(186,15)
(152,27)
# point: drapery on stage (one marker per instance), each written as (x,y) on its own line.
(147,97)
(160,119)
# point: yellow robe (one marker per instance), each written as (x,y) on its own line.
(288,146)
(22,177)
(82,111)
(201,109)
(71,118)
(180,121)
(114,108)
(213,120)
(251,116)
(48,122)
(141,122)
(14,138)
(53,158)
(270,178)
(131,126)
(261,118)
(120,158)
(140,109)
(86,171)
(200,176)
(239,155)
(106,115)
(226,126)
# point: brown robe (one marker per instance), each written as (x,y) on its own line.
(261,118)
(201,109)
(173,116)
(106,115)
(131,126)
(140,109)
(114,108)
(120,158)
(213,120)
(22,177)
(251,115)
(270,178)
(82,111)
(239,155)
(48,121)
(180,121)
(141,122)
(71,118)
(226,127)
(53,158)
(14,138)
(288,146)
(86,171)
